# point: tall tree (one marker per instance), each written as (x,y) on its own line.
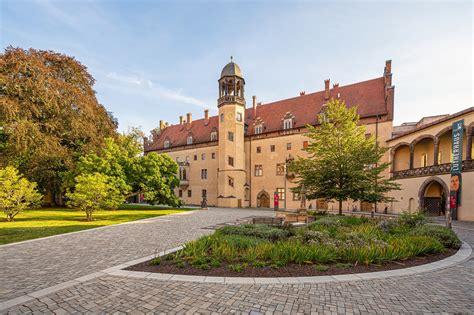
(49,114)
(343,164)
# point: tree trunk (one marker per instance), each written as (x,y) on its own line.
(340,207)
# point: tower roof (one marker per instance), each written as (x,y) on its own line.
(231,69)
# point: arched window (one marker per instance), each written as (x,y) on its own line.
(288,123)
(258,129)
(213,136)
(190,140)
(424,160)
(166,144)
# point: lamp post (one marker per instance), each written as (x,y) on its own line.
(289,159)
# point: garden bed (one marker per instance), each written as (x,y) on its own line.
(331,245)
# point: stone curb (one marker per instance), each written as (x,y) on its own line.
(462,254)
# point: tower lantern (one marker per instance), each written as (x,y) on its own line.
(231,85)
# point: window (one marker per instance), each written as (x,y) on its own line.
(187,158)
(182,174)
(195,157)
(231,161)
(204,173)
(204,193)
(213,155)
(259,149)
(288,146)
(272,148)
(296,196)
(367,136)
(258,170)
(305,144)
(213,136)
(203,156)
(440,157)
(230,181)
(190,193)
(280,169)
(222,117)
(239,116)
(230,136)
(167,144)
(281,193)
(190,140)
(180,193)
(288,123)
(424,160)
(258,129)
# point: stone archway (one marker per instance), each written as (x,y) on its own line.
(263,199)
(433,196)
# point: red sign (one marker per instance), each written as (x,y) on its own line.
(452,201)
(275,201)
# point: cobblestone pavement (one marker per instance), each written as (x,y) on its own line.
(39,264)
(449,290)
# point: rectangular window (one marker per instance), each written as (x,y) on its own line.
(272,148)
(288,146)
(190,193)
(231,161)
(259,149)
(204,193)
(203,156)
(195,157)
(305,144)
(204,173)
(213,136)
(296,196)
(281,193)
(258,170)
(230,136)
(230,181)
(222,117)
(280,169)
(213,155)
(258,129)
(180,193)
(239,116)
(187,158)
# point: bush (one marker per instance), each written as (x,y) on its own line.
(257,230)
(413,219)
(445,236)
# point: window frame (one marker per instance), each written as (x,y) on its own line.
(288,123)
(258,170)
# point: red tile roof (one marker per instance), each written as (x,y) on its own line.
(369,96)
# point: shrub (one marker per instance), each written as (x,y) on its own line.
(236,267)
(412,219)
(447,237)
(257,230)
(321,268)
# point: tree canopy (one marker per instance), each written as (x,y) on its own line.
(49,114)
(343,163)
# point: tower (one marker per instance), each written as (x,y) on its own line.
(231,154)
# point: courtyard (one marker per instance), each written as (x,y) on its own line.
(65,274)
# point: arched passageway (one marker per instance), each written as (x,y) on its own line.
(433,195)
(263,199)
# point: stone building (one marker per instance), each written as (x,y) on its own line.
(421,156)
(238,158)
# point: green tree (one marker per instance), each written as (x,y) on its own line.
(49,115)
(342,164)
(153,175)
(16,193)
(92,193)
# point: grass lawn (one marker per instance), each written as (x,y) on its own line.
(51,221)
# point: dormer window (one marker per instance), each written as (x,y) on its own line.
(258,129)
(213,136)
(288,123)
(190,140)
(166,144)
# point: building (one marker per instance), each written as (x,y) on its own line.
(421,156)
(238,158)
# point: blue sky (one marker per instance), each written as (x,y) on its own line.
(159,60)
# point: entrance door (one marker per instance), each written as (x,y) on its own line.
(434,199)
(433,205)
(263,201)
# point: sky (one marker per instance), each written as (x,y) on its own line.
(156,60)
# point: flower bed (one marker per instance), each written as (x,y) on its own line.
(329,245)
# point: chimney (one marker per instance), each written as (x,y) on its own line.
(254,105)
(163,124)
(335,87)
(206,114)
(189,118)
(326,89)
(180,120)
(387,73)
(302,93)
